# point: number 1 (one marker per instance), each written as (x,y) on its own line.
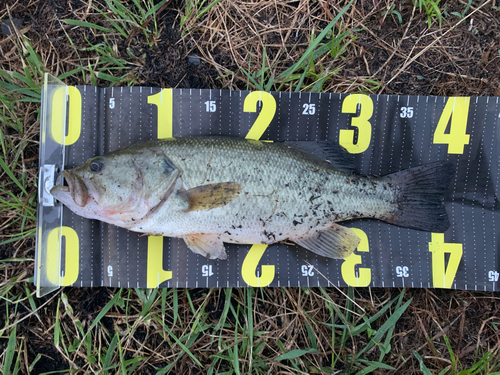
(164,101)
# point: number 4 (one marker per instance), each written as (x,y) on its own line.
(442,276)
(457,109)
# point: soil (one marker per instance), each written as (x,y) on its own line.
(461,58)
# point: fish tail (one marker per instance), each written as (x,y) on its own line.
(420,195)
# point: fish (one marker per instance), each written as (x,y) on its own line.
(215,190)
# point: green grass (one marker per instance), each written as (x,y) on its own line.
(241,340)
(393,12)
(18,90)
(331,42)
(126,20)
(213,331)
(121,22)
(195,9)
(431,9)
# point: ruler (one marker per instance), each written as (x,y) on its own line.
(384,133)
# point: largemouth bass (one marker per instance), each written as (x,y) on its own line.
(214,190)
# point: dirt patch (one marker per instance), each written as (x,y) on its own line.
(376,53)
(382,55)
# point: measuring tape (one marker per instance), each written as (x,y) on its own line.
(384,133)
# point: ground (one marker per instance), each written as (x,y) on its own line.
(420,47)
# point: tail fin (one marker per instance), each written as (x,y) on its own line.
(420,197)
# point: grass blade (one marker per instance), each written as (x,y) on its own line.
(423,367)
(88,24)
(186,350)
(295,354)
(385,327)
(7,170)
(109,305)
(9,353)
(110,353)
(314,44)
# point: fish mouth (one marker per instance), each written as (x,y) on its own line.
(76,188)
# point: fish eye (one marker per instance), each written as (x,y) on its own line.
(96,165)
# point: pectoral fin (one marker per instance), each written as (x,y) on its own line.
(209,246)
(336,242)
(206,197)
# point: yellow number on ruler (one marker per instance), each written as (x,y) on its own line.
(74,115)
(266,114)
(348,267)
(71,252)
(249,267)
(457,109)
(155,272)
(346,136)
(164,101)
(442,276)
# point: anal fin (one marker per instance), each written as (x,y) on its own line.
(209,246)
(336,242)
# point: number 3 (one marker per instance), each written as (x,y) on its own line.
(348,267)
(346,136)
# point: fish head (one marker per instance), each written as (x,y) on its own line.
(121,188)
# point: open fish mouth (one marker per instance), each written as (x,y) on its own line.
(76,189)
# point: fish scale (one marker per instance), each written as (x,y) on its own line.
(278,190)
(210,190)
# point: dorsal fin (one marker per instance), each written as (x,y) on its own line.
(330,153)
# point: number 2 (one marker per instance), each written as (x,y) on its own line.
(249,268)
(266,114)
